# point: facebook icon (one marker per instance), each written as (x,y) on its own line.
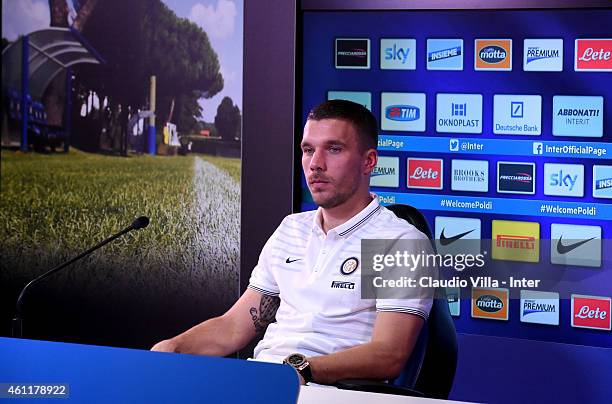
(538,147)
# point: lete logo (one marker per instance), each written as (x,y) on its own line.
(593,55)
(591,312)
(425,173)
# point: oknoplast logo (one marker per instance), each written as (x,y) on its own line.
(398,54)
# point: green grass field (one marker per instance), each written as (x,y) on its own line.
(54,206)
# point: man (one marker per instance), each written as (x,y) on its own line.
(306,285)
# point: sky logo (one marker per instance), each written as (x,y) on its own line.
(572,244)
(363,98)
(543,55)
(403,112)
(445,54)
(398,54)
(602,182)
(539,307)
(386,172)
(564,179)
(459,113)
(579,116)
(517,114)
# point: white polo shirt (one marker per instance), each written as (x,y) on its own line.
(299,263)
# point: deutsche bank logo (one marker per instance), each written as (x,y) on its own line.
(459,113)
(539,307)
(398,54)
(403,112)
(445,54)
(564,179)
(363,98)
(602,182)
(517,114)
(543,55)
(386,173)
(580,116)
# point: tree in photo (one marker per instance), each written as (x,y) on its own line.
(228,120)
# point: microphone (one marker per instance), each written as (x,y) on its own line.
(17,329)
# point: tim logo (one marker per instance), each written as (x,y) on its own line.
(591,312)
(402,113)
(593,55)
(493,54)
(425,173)
(352,53)
(342,285)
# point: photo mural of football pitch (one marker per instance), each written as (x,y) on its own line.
(146,285)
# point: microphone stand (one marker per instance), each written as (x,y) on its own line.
(17,324)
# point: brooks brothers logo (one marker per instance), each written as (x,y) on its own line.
(470,175)
(352,53)
(349,266)
(575,245)
(493,54)
(490,303)
(342,285)
(515,177)
(591,312)
(289,260)
(593,55)
(516,241)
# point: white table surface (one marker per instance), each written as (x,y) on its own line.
(326,395)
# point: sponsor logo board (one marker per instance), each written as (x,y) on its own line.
(403,112)
(515,241)
(445,54)
(580,116)
(490,303)
(352,53)
(493,54)
(459,113)
(398,54)
(575,245)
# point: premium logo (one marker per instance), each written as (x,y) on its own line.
(359,97)
(470,175)
(403,112)
(591,312)
(580,116)
(602,182)
(457,235)
(425,173)
(398,54)
(516,241)
(517,114)
(543,55)
(386,172)
(564,179)
(490,303)
(459,113)
(539,307)
(445,54)
(515,177)
(573,244)
(493,54)
(593,55)
(352,53)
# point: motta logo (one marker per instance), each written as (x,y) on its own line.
(591,312)
(490,303)
(493,54)
(425,173)
(594,55)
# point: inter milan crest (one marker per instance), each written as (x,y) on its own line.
(349,266)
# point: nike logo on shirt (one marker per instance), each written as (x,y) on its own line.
(448,240)
(564,249)
(289,260)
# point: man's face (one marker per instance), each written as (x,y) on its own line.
(334,162)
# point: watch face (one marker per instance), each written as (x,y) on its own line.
(295,360)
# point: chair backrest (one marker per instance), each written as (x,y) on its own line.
(432,364)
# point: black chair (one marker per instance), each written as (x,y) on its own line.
(430,370)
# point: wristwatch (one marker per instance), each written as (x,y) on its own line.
(301,364)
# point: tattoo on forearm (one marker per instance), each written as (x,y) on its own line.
(268,307)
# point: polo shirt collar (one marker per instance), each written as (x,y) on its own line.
(353,223)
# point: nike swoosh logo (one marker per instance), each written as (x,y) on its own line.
(289,260)
(564,249)
(448,240)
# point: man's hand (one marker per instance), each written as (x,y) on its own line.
(167,345)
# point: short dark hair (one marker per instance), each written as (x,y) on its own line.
(362,119)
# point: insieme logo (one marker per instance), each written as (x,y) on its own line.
(591,312)
(593,55)
(425,173)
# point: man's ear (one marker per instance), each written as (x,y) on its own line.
(370,161)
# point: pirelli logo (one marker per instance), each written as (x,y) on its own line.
(342,285)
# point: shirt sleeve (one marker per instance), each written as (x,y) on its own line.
(411,300)
(262,278)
